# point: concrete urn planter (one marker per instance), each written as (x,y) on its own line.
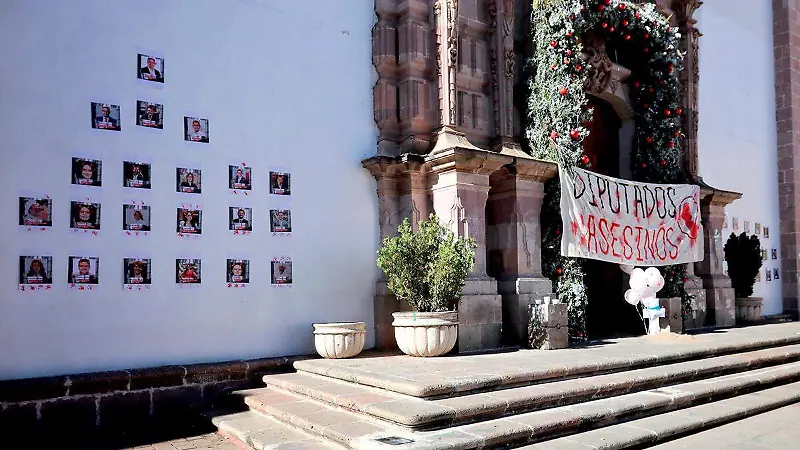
(749,309)
(339,340)
(425,334)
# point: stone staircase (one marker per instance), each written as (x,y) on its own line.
(613,394)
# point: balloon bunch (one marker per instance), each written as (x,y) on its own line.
(644,286)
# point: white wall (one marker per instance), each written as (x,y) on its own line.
(285,85)
(737,119)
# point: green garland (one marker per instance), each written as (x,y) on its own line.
(558,109)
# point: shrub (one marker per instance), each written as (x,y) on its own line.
(427,268)
(743,255)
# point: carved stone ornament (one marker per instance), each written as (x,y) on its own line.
(452,50)
(599,65)
(508,37)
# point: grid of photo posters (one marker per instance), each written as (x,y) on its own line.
(88,212)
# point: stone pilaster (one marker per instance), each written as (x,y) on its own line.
(459,185)
(720,306)
(514,240)
(384,93)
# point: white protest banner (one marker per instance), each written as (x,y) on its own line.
(625,222)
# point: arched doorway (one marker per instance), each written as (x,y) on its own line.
(608,315)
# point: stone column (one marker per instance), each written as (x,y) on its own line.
(515,240)
(720,306)
(459,185)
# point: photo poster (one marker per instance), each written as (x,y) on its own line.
(238,273)
(768,274)
(764,254)
(106,116)
(281,271)
(87,172)
(239,178)
(766,232)
(35,273)
(240,219)
(150,115)
(776,274)
(757,229)
(189,181)
(280,222)
(136,219)
(735,224)
(136,174)
(137,274)
(747,226)
(189,220)
(36,212)
(84,216)
(280,183)
(84,272)
(195,129)
(774,253)
(187,271)
(626,222)
(150,68)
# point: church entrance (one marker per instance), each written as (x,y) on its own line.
(608,314)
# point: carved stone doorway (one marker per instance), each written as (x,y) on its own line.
(607,315)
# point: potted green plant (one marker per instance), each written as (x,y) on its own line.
(743,255)
(427,269)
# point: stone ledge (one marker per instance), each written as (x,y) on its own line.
(44,388)
(419,413)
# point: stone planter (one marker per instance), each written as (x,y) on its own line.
(339,340)
(749,309)
(672,322)
(425,334)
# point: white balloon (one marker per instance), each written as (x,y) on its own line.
(626,268)
(632,297)
(638,280)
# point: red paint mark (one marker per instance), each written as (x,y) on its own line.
(229,285)
(128,233)
(80,288)
(32,288)
(94,233)
(236,232)
(574,228)
(47,288)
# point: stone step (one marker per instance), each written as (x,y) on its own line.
(418,413)
(363,432)
(439,377)
(655,429)
(253,430)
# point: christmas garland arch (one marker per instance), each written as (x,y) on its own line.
(558,113)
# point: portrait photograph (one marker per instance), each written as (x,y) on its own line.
(190,221)
(84,216)
(279,183)
(83,270)
(774,253)
(764,254)
(768,275)
(757,229)
(766,232)
(150,68)
(195,129)
(776,274)
(239,178)
(746,226)
(238,271)
(240,218)
(135,218)
(87,172)
(35,270)
(136,175)
(137,271)
(35,212)
(280,221)
(105,117)
(150,115)
(187,271)
(282,272)
(735,224)
(189,181)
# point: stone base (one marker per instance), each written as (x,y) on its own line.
(480,323)
(672,322)
(749,309)
(547,329)
(518,295)
(721,306)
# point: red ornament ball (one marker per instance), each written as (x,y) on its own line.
(562,91)
(678,133)
(649,140)
(625,23)
(671,273)
(651,90)
(646,36)
(558,232)
(607,2)
(559,270)
(578,67)
(604,25)
(637,15)
(663,162)
(670,68)
(553,135)
(553,44)
(627,37)
(678,110)
(552,67)
(644,165)
(572,16)
(569,52)
(667,112)
(566,60)
(601,7)
(569,33)
(584,159)
(621,6)
(671,144)
(610,29)
(574,134)
(646,50)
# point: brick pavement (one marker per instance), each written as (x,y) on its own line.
(204,441)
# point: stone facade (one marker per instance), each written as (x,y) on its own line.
(447,106)
(786,31)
